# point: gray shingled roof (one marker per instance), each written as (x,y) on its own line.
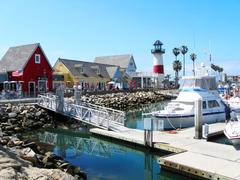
(16,57)
(89,68)
(117,60)
(111,70)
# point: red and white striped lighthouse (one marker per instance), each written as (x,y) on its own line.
(158,67)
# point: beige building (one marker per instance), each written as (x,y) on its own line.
(84,75)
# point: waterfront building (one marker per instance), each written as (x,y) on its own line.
(26,69)
(126,63)
(85,75)
(233,78)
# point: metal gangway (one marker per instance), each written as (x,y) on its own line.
(98,116)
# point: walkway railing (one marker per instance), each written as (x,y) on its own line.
(99,116)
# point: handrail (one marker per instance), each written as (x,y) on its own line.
(101,116)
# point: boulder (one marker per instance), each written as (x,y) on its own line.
(14,142)
(18,129)
(50,157)
(31,145)
(38,113)
(12,115)
(24,112)
(12,120)
(6,162)
(8,174)
(46,174)
(29,155)
(8,109)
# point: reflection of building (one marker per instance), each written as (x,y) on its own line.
(85,75)
(27,69)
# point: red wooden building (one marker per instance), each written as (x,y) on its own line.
(27,68)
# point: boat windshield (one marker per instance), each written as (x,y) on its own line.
(208,83)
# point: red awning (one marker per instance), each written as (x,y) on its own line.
(17,73)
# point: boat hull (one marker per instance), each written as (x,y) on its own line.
(175,122)
(232,132)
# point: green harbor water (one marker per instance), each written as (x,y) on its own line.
(105,159)
(102,158)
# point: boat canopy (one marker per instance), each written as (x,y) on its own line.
(203,82)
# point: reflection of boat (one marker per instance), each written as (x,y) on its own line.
(232,130)
(179,113)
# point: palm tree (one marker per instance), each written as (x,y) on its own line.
(221,69)
(176,52)
(193,57)
(177,66)
(166,80)
(184,50)
(214,67)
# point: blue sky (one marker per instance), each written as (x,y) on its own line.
(85,29)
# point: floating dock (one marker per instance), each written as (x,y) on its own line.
(190,157)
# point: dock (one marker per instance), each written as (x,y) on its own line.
(190,157)
(97,116)
(19,101)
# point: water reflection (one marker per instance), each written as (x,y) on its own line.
(79,145)
(102,159)
(134,117)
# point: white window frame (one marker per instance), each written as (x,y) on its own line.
(39,57)
(98,71)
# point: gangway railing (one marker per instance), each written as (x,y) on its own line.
(99,116)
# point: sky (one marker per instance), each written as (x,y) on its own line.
(84,29)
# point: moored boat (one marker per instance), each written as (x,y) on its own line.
(232,129)
(180,113)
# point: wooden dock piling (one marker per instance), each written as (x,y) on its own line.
(198,119)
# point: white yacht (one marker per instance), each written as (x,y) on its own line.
(180,113)
(232,129)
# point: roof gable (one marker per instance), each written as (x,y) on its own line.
(117,60)
(17,57)
(89,69)
(112,71)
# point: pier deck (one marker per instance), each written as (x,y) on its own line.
(191,157)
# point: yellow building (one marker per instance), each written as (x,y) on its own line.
(84,75)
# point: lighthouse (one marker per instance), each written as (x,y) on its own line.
(158,68)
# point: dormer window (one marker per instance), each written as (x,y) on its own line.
(81,70)
(37,58)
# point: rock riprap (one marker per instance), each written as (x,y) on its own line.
(15,120)
(126,100)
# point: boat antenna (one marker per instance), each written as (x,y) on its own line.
(210,56)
